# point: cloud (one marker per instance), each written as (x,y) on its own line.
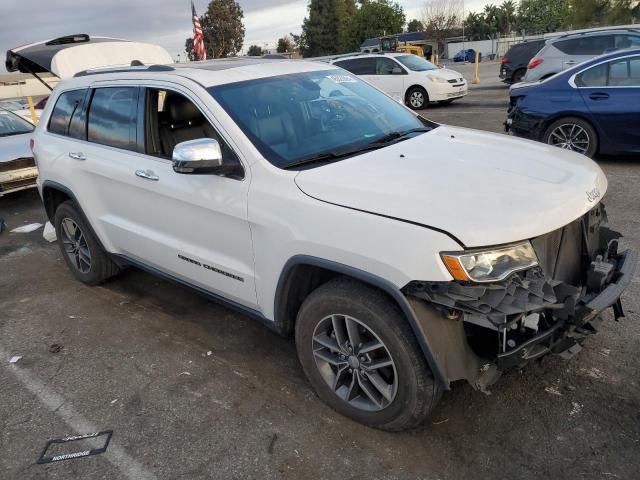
(165,22)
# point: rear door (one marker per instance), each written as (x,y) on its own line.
(611,91)
(105,163)
(583,48)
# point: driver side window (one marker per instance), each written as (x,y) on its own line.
(170,119)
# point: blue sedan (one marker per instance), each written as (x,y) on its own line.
(591,108)
(468,55)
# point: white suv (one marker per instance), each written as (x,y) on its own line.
(403,255)
(406,77)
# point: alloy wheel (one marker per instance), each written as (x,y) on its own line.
(416,99)
(75,245)
(570,137)
(354,363)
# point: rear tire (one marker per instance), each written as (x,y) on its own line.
(80,249)
(572,133)
(337,328)
(417,98)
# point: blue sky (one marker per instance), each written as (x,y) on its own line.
(165,22)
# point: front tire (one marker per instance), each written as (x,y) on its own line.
(80,249)
(362,358)
(417,98)
(572,133)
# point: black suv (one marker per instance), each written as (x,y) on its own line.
(514,63)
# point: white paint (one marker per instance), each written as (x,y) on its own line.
(15,359)
(62,408)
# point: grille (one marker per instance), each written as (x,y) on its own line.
(456,80)
(17,164)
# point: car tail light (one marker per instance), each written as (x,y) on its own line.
(504,60)
(534,63)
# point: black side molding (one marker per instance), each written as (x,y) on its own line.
(377,282)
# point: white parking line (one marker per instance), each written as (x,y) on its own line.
(116,455)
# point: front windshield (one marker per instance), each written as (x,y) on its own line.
(416,63)
(290,118)
(11,124)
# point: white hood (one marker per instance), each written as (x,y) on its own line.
(484,189)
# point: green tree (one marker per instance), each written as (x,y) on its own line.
(375,19)
(415,25)
(285,44)
(541,16)
(325,30)
(255,51)
(222,30)
(587,13)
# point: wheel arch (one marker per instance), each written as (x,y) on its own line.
(54,194)
(569,114)
(302,274)
(415,85)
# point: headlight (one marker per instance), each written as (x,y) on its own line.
(436,79)
(490,265)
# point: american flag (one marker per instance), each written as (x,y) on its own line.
(198,40)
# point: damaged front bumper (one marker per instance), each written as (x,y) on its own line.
(480,330)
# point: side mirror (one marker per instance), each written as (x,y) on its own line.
(397,71)
(203,155)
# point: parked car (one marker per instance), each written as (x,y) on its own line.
(402,254)
(17,167)
(466,55)
(406,77)
(513,65)
(566,51)
(19,108)
(592,108)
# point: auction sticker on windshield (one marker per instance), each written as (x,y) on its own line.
(341,78)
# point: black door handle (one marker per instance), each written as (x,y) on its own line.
(599,96)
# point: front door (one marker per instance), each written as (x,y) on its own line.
(195,226)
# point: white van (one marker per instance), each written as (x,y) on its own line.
(407,77)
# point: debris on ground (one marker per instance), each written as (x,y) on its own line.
(605,352)
(114,401)
(440,422)
(184,373)
(272,443)
(15,359)
(55,348)
(593,373)
(27,228)
(554,390)
(209,353)
(49,233)
(576,408)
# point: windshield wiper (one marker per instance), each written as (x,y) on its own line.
(384,141)
(397,135)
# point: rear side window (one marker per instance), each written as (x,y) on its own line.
(625,73)
(359,66)
(617,73)
(585,45)
(112,117)
(594,77)
(68,105)
(627,41)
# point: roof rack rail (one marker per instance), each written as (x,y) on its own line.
(136,66)
(599,30)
